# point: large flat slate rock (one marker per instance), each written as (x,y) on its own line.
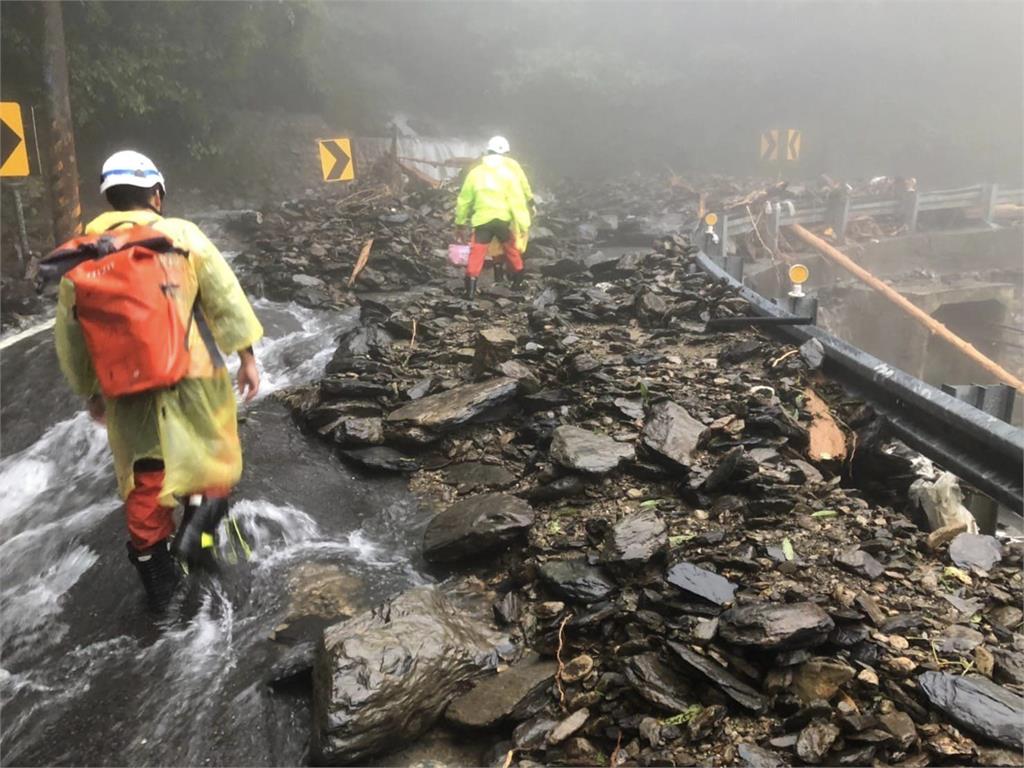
(495,699)
(449,409)
(475,526)
(586,451)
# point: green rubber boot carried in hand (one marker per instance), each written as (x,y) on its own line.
(195,543)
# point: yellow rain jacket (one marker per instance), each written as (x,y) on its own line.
(517,169)
(492,190)
(192,426)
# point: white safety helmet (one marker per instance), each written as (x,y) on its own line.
(498,145)
(130,168)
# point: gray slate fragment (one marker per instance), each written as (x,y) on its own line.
(528,381)
(568,726)
(754,756)
(340,386)
(1009,666)
(475,526)
(560,488)
(494,699)
(630,408)
(902,728)
(308,281)
(813,353)
(657,682)
(672,433)
(975,551)
(383,459)
(815,740)
(355,432)
(576,580)
(775,626)
(447,410)
(475,475)
(858,561)
(585,451)
(420,388)
(719,676)
(650,731)
(730,470)
(701,583)
(810,472)
(532,734)
(959,639)
(635,540)
(493,346)
(979,705)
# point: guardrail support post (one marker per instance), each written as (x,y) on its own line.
(718,251)
(734,266)
(774,223)
(910,208)
(989,194)
(839,212)
(995,400)
(803,306)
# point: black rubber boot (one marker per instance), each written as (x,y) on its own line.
(470,288)
(196,539)
(517,279)
(159,574)
(499,273)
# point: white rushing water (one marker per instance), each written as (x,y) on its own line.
(86,676)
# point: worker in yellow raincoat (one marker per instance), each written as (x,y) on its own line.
(493,202)
(181,441)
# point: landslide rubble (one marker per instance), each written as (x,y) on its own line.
(685,583)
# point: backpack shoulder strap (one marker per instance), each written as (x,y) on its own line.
(119,224)
(86,247)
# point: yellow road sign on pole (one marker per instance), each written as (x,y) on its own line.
(13,152)
(793,145)
(770,145)
(336,159)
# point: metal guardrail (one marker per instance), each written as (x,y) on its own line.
(842,207)
(979,447)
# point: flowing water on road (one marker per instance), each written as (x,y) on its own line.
(86,677)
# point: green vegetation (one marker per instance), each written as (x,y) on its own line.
(163,72)
(685,716)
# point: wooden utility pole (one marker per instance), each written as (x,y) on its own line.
(901,301)
(62,167)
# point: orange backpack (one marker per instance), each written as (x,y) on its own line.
(124,303)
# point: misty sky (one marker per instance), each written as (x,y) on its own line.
(931,89)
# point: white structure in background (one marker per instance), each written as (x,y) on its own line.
(425,154)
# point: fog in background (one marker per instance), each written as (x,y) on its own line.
(929,89)
(592,89)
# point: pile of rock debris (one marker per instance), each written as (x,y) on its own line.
(681,567)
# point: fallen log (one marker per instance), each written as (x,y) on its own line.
(827,441)
(364,256)
(918,314)
(417,175)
